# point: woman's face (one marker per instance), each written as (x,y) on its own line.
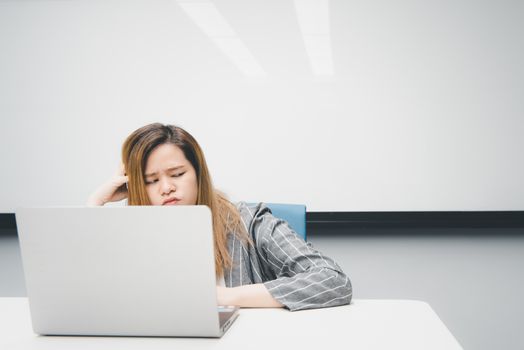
(170,177)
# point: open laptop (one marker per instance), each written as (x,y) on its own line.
(121,271)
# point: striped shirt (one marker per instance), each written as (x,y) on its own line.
(294,273)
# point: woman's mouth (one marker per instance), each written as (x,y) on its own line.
(172,201)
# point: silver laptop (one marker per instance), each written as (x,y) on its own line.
(121,271)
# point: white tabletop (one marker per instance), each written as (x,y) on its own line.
(365,324)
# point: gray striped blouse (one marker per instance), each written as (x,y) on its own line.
(295,274)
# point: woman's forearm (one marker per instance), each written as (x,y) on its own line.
(93,201)
(253,295)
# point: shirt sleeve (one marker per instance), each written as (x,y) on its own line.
(305,278)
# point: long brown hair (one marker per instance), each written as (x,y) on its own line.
(135,152)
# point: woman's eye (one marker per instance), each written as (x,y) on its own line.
(174,175)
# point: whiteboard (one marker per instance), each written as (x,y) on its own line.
(421,107)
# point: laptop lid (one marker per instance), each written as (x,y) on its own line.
(127,271)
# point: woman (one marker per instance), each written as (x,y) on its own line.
(260,260)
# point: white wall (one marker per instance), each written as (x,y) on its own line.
(425,109)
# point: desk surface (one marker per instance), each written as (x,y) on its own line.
(365,324)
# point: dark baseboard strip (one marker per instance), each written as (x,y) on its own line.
(418,219)
(7,221)
(386,219)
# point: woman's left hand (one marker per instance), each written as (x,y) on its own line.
(225,296)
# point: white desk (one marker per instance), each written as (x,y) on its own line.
(365,324)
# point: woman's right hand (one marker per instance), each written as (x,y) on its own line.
(112,191)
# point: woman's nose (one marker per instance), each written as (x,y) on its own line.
(167,186)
